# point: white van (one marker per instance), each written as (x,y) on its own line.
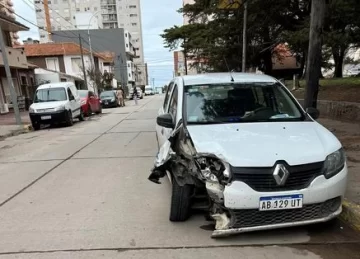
(55,103)
(149,90)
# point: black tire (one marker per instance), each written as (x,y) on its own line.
(35,126)
(89,112)
(81,116)
(99,111)
(69,119)
(180,202)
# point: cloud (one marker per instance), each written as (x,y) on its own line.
(157,15)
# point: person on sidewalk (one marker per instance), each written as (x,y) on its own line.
(120,97)
(135,95)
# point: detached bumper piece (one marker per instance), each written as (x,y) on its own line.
(254,220)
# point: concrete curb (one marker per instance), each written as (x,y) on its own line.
(24,129)
(351,214)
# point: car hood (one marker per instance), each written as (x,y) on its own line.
(262,144)
(47,105)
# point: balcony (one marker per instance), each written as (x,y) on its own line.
(108,2)
(16,57)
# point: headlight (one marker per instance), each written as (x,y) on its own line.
(31,110)
(113,99)
(213,169)
(60,108)
(83,102)
(334,163)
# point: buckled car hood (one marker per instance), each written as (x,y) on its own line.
(262,144)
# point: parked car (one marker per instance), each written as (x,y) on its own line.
(90,102)
(245,142)
(140,94)
(55,103)
(149,90)
(109,99)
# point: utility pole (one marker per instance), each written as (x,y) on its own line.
(153,82)
(244,36)
(83,63)
(47,18)
(9,79)
(313,69)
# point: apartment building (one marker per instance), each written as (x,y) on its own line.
(95,14)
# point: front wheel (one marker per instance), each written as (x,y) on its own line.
(35,126)
(180,202)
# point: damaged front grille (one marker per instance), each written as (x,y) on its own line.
(256,218)
(262,179)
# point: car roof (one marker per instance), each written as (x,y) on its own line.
(216,78)
(55,85)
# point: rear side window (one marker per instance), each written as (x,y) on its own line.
(167,96)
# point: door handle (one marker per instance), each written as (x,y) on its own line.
(162,131)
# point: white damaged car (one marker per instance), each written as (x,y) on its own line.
(244,143)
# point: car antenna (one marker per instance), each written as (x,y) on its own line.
(230,71)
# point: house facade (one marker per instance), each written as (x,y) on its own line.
(65,58)
(22,72)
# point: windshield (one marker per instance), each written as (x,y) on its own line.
(83,94)
(107,94)
(148,88)
(50,95)
(232,103)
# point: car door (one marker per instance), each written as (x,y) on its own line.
(164,109)
(74,101)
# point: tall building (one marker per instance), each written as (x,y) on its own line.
(7,9)
(94,14)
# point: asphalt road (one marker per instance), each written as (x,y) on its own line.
(82,192)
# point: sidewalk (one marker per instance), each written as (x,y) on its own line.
(8,125)
(349,135)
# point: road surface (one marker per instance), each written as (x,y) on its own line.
(82,192)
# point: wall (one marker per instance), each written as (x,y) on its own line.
(84,19)
(102,40)
(41,62)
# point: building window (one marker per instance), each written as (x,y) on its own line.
(134,24)
(52,64)
(23,80)
(133,15)
(67,18)
(132,6)
(37,2)
(78,9)
(76,65)
(42,36)
(38,10)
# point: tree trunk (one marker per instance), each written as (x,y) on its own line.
(338,55)
(314,54)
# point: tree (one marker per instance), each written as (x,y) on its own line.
(341,30)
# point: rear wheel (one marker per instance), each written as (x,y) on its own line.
(89,111)
(81,116)
(180,202)
(69,119)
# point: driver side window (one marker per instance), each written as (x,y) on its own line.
(167,97)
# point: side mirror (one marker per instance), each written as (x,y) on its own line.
(313,112)
(71,98)
(165,120)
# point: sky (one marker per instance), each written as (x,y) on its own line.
(157,15)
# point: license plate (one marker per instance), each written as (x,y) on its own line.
(281,202)
(46,117)
(106,103)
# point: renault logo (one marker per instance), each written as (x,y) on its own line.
(280,174)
